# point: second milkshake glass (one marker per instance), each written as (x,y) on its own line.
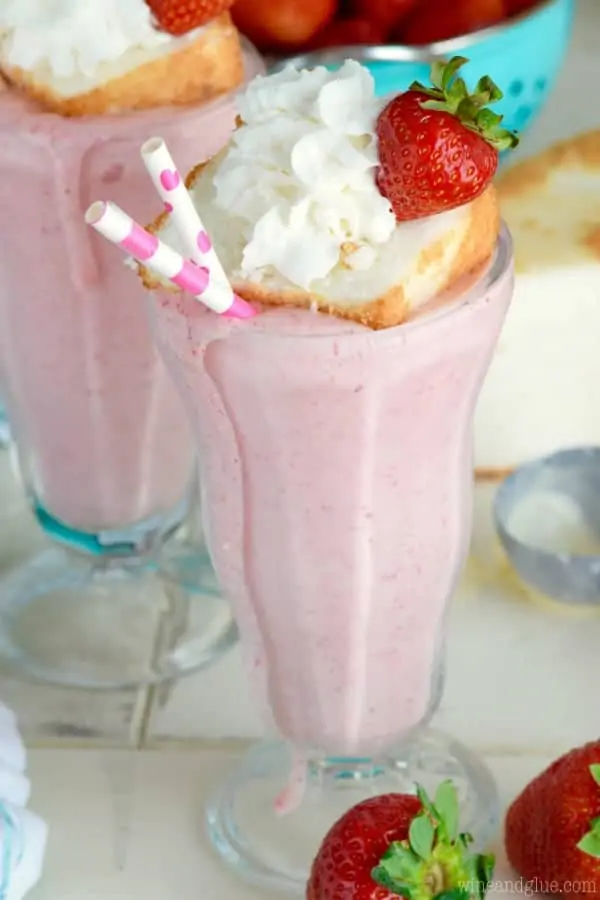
(336,475)
(104,447)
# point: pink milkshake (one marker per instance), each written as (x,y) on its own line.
(336,474)
(105,449)
(334,433)
(101,433)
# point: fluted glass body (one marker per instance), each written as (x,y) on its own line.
(336,475)
(102,436)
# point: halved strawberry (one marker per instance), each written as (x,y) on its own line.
(438,146)
(177,17)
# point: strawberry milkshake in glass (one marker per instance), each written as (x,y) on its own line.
(334,436)
(104,446)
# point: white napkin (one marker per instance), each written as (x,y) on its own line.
(22,833)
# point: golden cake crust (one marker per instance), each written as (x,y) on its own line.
(198,72)
(392,308)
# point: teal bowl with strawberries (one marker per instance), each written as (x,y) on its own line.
(523,55)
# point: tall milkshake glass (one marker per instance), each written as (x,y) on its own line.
(104,447)
(336,477)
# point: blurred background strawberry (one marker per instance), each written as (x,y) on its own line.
(385,14)
(285,27)
(282,25)
(346,32)
(439,20)
(514,7)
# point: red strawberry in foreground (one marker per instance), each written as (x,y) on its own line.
(552,830)
(438,146)
(180,16)
(398,844)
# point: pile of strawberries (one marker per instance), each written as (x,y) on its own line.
(291,26)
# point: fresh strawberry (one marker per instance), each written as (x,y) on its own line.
(515,7)
(282,24)
(385,14)
(439,20)
(438,146)
(347,33)
(552,830)
(400,844)
(180,16)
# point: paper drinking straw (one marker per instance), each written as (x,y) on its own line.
(119,228)
(178,202)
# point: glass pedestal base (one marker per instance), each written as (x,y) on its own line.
(183,560)
(76,621)
(275,850)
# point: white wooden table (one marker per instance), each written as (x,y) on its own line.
(121,778)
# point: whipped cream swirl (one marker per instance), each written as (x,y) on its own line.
(299,174)
(73,37)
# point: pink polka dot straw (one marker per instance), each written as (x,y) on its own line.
(180,206)
(198,280)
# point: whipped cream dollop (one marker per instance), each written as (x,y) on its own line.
(299,175)
(74,37)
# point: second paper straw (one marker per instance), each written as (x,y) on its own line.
(119,228)
(179,204)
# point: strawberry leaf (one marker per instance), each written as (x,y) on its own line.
(590,844)
(381,877)
(595,772)
(450,94)
(435,862)
(439,105)
(467,110)
(437,74)
(485,85)
(426,802)
(446,804)
(485,871)
(457,91)
(487,118)
(420,835)
(399,862)
(450,70)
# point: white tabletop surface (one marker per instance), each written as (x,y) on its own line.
(120,778)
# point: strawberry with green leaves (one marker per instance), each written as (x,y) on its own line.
(552,829)
(400,845)
(439,146)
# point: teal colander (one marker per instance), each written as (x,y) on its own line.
(523,56)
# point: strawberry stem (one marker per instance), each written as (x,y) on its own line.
(449,93)
(590,842)
(434,863)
